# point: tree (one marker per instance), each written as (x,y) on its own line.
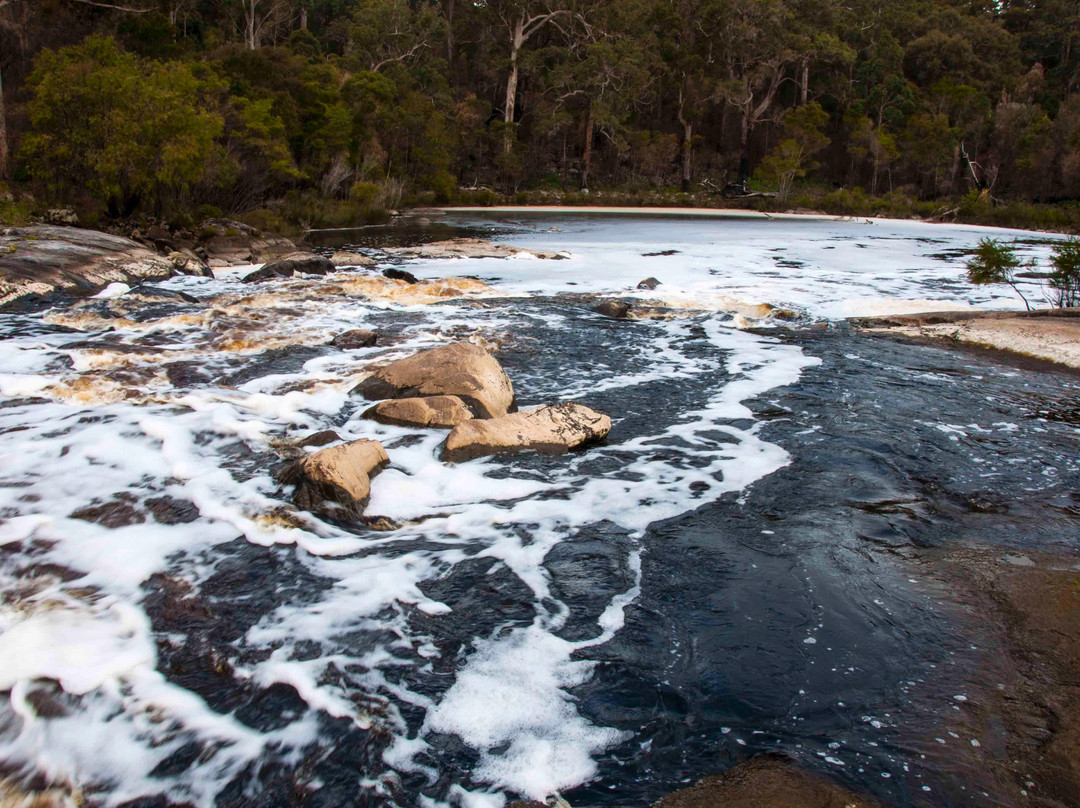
(128,132)
(805,137)
(520,21)
(994,262)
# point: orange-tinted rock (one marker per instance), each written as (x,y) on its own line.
(552,429)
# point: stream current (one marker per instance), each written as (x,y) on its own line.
(727,574)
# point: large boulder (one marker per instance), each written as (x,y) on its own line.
(552,429)
(458,369)
(295,263)
(341,474)
(436,412)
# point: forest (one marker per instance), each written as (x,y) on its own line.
(328,112)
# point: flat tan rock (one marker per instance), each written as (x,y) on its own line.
(469,248)
(436,412)
(552,429)
(459,369)
(343,258)
(341,474)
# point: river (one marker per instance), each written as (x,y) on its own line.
(730,572)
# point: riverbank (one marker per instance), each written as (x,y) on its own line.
(1050,335)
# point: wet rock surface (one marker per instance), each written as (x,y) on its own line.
(357,338)
(340,474)
(765,782)
(344,258)
(295,264)
(460,369)
(551,429)
(36,262)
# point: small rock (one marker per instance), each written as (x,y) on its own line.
(170,511)
(382,524)
(395,274)
(341,474)
(319,438)
(552,429)
(615,309)
(112,514)
(648,283)
(357,338)
(458,369)
(62,216)
(298,263)
(351,259)
(189,263)
(436,412)
(661,252)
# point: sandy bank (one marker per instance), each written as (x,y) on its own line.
(1050,335)
(713,213)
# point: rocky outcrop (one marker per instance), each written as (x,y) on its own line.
(648,284)
(188,262)
(553,429)
(469,248)
(435,412)
(225,242)
(458,369)
(357,338)
(340,475)
(351,259)
(37,262)
(299,263)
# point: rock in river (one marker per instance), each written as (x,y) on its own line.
(436,412)
(357,338)
(552,429)
(615,309)
(344,258)
(458,369)
(340,474)
(296,263)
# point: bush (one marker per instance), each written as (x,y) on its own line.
(1065,279)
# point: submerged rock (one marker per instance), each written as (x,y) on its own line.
(615,309)
(552,429)
(458,369)
(764,782)
(357,338)
(341,474)
(296,263)
(343,258)
(437,412)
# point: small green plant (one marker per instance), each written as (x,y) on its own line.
(1065,279)
(994,262)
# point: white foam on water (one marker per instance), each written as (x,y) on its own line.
(510,696)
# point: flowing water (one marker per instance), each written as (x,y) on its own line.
(728,573)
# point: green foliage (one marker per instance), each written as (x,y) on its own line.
(790,159)
(125,130)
